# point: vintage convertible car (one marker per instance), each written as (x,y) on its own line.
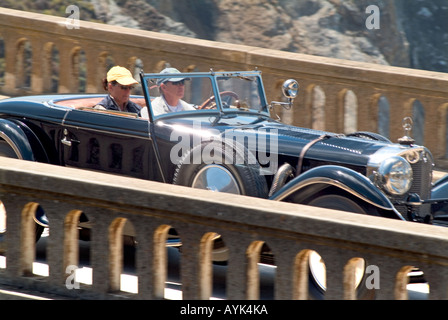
(227,142)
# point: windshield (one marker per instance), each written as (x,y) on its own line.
(180,94)
(240,93)
(196,92)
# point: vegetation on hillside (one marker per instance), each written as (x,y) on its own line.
(51,7)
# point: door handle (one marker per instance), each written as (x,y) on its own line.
(66,142)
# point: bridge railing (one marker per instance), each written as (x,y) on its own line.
(245,224)
(49,54)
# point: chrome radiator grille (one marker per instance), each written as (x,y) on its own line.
(422,180)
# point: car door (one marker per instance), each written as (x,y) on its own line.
(110,142)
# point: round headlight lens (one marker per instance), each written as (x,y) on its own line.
(395,175)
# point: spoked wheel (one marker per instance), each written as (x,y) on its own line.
(337,202)
(9,152)
(224,167)
(5,151)
(336,199)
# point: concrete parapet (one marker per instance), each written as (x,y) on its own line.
(244,223)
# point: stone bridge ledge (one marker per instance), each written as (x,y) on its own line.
(290,230)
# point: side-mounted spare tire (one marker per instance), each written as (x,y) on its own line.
(221,166)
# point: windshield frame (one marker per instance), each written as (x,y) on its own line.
(148,79)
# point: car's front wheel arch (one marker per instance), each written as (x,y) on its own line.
(331,197)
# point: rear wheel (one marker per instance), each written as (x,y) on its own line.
(5,151)
(9,152)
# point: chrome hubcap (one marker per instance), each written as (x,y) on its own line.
(216,178)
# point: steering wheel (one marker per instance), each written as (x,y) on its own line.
(207,103)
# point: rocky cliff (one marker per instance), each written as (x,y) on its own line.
(407,33)
(411,33)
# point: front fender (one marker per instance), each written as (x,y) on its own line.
(342,178)
(439,209)
(17,139)
(440,188)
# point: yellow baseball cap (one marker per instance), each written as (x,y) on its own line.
(122,75)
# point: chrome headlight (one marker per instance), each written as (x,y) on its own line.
(395,176)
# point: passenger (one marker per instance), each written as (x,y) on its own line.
(119,83)
(172,91)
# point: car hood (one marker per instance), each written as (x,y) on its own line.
(320,146)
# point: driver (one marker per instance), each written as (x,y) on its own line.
(172,91)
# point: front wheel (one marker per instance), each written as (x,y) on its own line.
(337,202)
(7,151)
(336,199)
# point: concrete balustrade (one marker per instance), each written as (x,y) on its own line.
(291,231)
(337,95)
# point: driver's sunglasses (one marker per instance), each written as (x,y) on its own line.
(115,83)
(126,87)
(179,83)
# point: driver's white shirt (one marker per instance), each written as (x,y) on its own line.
(160,106)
